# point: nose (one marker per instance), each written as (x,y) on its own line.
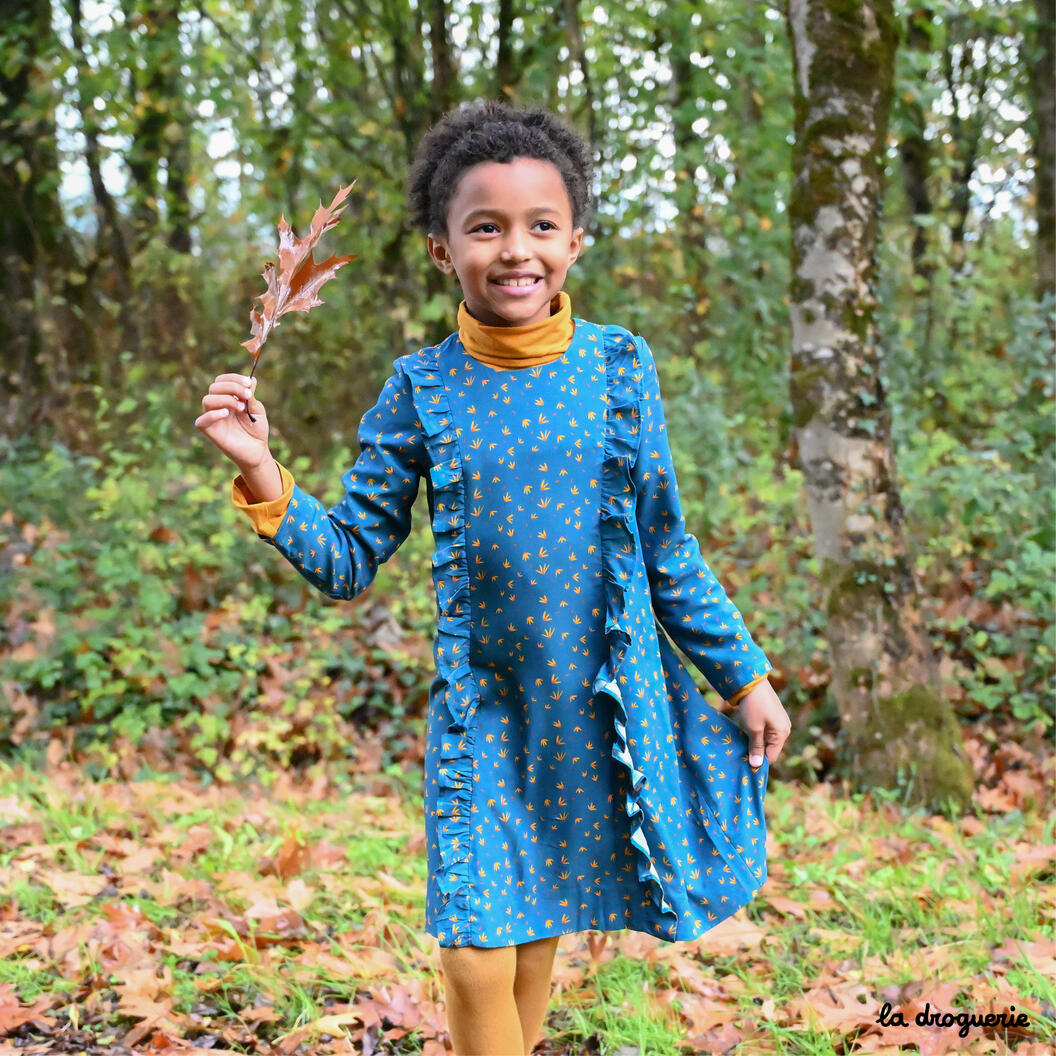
(515,246)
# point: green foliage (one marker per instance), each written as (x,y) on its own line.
(172,619)
(977,466)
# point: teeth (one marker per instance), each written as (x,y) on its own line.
(517,282)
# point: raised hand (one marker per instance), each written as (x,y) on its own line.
(225,419)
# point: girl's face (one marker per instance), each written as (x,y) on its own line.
(507,223)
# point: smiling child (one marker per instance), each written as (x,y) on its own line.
(576,778)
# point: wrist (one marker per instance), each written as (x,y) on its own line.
(263,482)
(748,690)
(256,468)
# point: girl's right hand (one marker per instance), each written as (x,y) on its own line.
(226,422)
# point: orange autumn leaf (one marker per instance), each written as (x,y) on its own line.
(14,1014)
(295,286)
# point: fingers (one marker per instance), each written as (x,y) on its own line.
(758,749)
(228,394)
(237,385)
(208,417)
(769,740)
(757,742)
(233,379)
(231,391)
(765,722)
(776,735)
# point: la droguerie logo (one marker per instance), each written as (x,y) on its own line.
(965,1020)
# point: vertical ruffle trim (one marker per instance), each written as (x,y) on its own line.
(451,645)
(619,562)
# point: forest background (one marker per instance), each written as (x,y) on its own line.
(147,149)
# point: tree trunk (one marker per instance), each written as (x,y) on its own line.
(504,71)
(537,54)
(692,212)
(1041,65)
(963,72)
(38,297)
(160,135)
(914,151)
(445,69)
(110,241)
(898,730)
(574,30)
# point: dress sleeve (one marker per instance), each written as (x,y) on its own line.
(266,516)
(688,600)
(339,550)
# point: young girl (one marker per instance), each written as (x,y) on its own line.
(575,776)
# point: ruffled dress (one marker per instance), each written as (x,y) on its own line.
(576,777)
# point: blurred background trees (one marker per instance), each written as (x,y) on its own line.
(147,148)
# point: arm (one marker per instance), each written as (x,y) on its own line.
(689,602)
(339,550)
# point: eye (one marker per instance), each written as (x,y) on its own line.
(551,226)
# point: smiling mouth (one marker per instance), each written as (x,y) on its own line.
(517,283)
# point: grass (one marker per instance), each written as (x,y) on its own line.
(271,912)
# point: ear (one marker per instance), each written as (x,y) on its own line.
(575,245)
(441,257)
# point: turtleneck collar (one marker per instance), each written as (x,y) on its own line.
(509,347)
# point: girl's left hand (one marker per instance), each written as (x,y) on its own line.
(765,721)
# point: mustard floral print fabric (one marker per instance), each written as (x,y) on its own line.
(576,777)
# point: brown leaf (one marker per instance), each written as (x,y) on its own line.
(13,1014)
(596,942)
(786,906)
(840,1006)
(294,857)
(734,933)
(144,996)
(72,889)
(295,286)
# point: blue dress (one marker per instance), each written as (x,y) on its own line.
(576,777)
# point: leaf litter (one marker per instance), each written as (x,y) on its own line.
(226,919)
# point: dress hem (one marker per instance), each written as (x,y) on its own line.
(683,928)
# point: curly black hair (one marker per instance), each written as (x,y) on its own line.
(494,131)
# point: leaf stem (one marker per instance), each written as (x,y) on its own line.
(251,418)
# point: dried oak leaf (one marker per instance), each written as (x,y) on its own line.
(295,286)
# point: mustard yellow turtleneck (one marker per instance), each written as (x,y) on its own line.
(510,347)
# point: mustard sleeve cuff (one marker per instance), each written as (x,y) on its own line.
(266,516)
(745,689)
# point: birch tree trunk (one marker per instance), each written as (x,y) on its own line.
(898,730)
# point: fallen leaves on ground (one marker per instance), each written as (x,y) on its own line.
(163,916)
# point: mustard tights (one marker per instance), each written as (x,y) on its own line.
(497,998)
